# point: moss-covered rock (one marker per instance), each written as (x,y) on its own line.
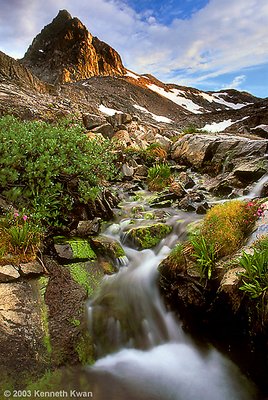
(145,237)
(107,247)
(86,275)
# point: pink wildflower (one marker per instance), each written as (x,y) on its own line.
(16,214)
(24,217)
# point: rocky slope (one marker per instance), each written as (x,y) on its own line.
(90,78)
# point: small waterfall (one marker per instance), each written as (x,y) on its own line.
(257,188)
(143,352)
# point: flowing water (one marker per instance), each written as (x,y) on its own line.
(143,353)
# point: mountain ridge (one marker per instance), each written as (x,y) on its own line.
(68,70)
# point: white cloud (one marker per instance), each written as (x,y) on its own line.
(223,37)
(236,82)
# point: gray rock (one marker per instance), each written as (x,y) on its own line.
(127,171)
(33,267)
(88,228)
(106,130)
(8,273)
(64,251)
(91,121)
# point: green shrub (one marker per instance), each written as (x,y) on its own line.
(159,177)
(255,281)
(46,168)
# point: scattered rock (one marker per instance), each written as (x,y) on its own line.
(8,273)
(91,121)
(88,228)
(33,267)
(202,208)
(106,130)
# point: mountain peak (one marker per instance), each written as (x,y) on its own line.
(65,51)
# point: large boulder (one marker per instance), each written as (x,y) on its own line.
(218,152)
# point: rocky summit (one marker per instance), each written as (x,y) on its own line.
(65,51)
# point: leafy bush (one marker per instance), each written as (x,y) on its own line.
(47,168)
(255,281)
(20,236)
(159,177)
(227,224)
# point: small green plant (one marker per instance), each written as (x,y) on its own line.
(205,254)
(190,129)
(159,177)
(255,281)
(20,236)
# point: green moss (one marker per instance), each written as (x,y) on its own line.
(107,247)
(146,237)
(88,279)
(84,349)
(75,322)
(43,282)
(81,249)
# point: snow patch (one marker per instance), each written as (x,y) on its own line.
(158,118)
(218,99)
(262,126)
(108,111)
(217,126)
(175,96)
(132,75)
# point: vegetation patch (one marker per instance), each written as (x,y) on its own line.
(87,277)
(159,177)
(47,168)
(255,277)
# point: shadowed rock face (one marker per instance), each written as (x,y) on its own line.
(64,51)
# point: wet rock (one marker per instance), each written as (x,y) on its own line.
(250,171)
(31,268)
(202,208)
(73,249)
(8,273)
(229,286)
(177,189)
(88,228)
(187,204)
(107,247)
(186,181)
(148,236)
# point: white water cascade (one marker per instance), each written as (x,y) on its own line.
(143,352)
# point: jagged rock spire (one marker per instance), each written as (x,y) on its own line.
(65,51)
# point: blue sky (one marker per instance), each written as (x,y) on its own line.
(208,44)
